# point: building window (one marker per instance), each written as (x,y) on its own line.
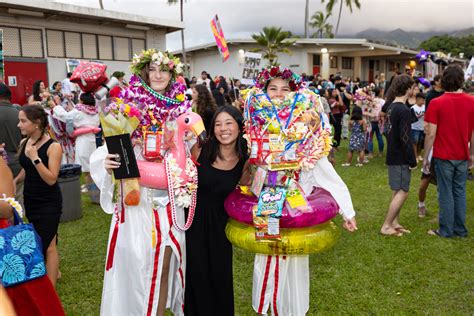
(31,43)
(347,62)
(316,60)
(73,44)
(333,60)
(55,43)
(122,48)
(11,41)
(89,46)
(137,46)
(377,65)
(105,47)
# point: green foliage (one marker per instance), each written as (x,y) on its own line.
(273,41)
(363,274)
(450,44)
(319,21)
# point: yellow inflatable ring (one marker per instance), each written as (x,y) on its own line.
(294,241)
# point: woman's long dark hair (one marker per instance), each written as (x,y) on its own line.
(36,90)
(205,100)
(211,148)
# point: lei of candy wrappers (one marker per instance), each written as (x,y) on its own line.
(288,134)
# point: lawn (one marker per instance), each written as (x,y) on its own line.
(365,273)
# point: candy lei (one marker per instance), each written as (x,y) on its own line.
(13,203)
(184,192)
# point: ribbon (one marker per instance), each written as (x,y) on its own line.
(272,178)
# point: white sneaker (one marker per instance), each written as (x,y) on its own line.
(346,165)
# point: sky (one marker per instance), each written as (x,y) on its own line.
(239,19)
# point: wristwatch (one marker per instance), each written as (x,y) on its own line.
(37,161)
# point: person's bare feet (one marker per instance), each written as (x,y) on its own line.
(390,232)
(402,229)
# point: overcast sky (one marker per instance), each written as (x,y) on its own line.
(241,18)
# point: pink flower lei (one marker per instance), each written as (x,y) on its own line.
(163,107)
(87,109)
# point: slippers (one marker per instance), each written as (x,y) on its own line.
(434,232)
(403,230)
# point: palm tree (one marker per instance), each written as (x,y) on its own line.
(319,21)
(274,41)
(306,13)
(101,5)
(348,3)
(181,2)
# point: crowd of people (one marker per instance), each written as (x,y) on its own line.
(152,264)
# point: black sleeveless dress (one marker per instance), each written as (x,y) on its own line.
(209,283)
(43,203)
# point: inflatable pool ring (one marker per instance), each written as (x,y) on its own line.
(323,208)
(295,241)
(85,130)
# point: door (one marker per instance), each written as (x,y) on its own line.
(371,71)
(24,72)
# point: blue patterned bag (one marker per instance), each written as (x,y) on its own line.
(21,255)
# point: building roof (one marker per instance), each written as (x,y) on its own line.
(323,42)
(54,10)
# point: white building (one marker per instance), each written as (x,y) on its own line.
(40,36)
(347,57)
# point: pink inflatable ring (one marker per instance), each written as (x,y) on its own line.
(323,209)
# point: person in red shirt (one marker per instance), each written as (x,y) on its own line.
(449,130)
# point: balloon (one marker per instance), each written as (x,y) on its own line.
(298,241)
(323,208)
(85,130)
(90,76)
(412,64)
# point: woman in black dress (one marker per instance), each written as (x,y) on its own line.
(222,161)
(40,158)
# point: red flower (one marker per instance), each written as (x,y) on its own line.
(274,71)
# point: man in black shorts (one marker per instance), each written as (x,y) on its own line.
(400,154)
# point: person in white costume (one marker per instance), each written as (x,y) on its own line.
(84,116)
(281,282)
(146,260)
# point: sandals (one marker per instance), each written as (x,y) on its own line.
(434,232)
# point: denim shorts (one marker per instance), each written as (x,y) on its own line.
(416,136)
(399,177)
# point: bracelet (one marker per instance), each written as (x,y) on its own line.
(13,203)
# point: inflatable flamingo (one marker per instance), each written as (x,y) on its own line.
(153,174)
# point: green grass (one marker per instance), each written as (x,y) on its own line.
(364,273)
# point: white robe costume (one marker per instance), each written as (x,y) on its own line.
(281,283)
(132,284)
(85,144)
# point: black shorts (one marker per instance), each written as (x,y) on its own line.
(399,177)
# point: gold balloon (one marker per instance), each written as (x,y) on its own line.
(412,64)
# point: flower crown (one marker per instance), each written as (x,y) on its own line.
(165,60)
(278,72)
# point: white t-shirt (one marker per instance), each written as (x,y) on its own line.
(420,114)
(67,87)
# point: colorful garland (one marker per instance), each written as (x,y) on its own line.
(14,204)
(278,72)
(165,60)
(153,107)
